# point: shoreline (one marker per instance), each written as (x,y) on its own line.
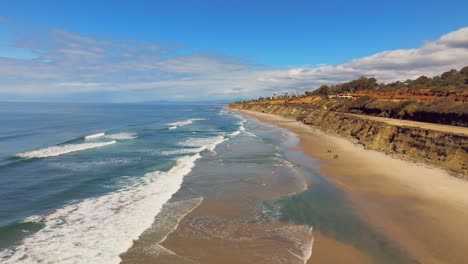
(401,199)
(407,140)
(232,224)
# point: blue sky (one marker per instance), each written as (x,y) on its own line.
(260,41)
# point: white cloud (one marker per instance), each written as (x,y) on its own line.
(68,63)
(432,58)
(82,84)
(457,38)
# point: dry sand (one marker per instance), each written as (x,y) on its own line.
(423,209)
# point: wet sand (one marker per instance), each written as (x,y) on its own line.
(422,209)
(226,229)
(229,225)
(329,250)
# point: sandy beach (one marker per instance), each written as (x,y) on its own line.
(279,196)
(422,209)
(231,224)
(233,132)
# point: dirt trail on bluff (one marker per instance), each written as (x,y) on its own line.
(440,145)
(424,125)
(422,209)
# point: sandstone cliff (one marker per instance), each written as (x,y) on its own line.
(443,149)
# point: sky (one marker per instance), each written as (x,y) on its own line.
(134,51)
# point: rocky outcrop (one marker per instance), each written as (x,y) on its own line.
(446,150)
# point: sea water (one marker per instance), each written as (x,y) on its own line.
(80,182)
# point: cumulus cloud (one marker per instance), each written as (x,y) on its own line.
(432,58)
(129,70)
(457,38)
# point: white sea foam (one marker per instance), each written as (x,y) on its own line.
(196,202)
(97,230)
(242,119)
(164,224)
(196,145)
(235,133)
(33,218)
(81,166)
(222,112)
(297,240)
(62,149)
(94,136)
(183,123)
(122,136)
(183,151)
(204,143)
(303,246)
(240,130)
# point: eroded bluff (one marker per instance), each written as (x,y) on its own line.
(445,150)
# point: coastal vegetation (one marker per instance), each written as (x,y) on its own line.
(441,99)
(360,109)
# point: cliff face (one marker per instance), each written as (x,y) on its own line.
(446,150)
(446,107)
(418,95)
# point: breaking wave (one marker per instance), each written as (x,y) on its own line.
(182,151)
(122,136)
(94,136)
(195,145)
(240,130)
(98,230)
(203,143)
(164,224)
(61,149)
(183,123)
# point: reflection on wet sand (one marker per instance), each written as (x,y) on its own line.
(262,203)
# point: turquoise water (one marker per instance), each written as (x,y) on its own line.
(95,175)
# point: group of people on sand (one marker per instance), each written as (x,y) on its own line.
(334,156)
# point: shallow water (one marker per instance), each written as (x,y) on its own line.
(191,184)
(234,182)
(262,202)
(328,210)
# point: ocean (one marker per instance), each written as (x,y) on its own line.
(102,183)
(85,180)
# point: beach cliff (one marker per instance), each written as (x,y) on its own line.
(434,145)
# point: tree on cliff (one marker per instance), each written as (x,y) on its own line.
(464,73)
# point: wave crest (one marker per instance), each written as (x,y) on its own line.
(183,123)
(204,143)
(62,149)
(98,230)
(122,136)
(94,136)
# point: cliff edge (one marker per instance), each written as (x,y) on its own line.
(440,145)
